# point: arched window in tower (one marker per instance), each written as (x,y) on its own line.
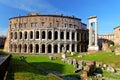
(49,48)
(67,35)
(11,35)
(43,48)
(25,35)
(55,48)
(31,35)
(30,48)
(15,35)
(43,34)
(37,34)
(49,35)
(56,35)
(73,35)
(37,48)
(20,35)
(62,35)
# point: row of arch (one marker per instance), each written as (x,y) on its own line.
(45,48)
(48,35)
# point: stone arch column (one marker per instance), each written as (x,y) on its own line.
(93,34)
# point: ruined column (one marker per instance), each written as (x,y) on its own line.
(93,34)
(75,36)
(46,35)
(70,48)
(40,35)
(58,47)
(52,34)
(65,35)
(52,48)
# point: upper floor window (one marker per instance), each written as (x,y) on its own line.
(25,24)
(15,25)
(43,23)
(31,24)
(65,25)
(57,24)
(50,24)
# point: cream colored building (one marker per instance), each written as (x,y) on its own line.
(107,36)
(117,35)
(36,33)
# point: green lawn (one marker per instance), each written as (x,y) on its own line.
(35,67)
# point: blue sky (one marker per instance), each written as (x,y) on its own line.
(107,11)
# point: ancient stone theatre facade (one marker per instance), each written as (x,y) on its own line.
(36,33)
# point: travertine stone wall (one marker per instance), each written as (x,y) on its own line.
(37,33)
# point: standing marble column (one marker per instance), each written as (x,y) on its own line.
(75,47)
(65,35)
(52,48)
(46,35)
(70,48)
(52,34)
(40,35)
(96,34)
(75,35)
(59,35)
(58,47)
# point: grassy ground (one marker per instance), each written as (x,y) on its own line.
(104,57)
(34,67)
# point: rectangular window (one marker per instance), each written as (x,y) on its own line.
(25,24)
(31,24)
(43,23)
(65,25)
(57,24)
(15,25)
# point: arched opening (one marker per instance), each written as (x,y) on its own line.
(43,34)
(25,48)
(67,35)
(49,35)
(11,35)
(43,48)
(62,35)
(20,35)
(31,35)
(19,48)
(55,48)
(37,48)
(56,35)
(37,34)
(67,47)
(73,36)
(25,35)
(15,48)
(61,46)
(15,35)
(73,48)
(49,48)
(30,48)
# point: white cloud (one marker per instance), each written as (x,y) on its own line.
(30,5)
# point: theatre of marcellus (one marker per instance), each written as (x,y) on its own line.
(41,34)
